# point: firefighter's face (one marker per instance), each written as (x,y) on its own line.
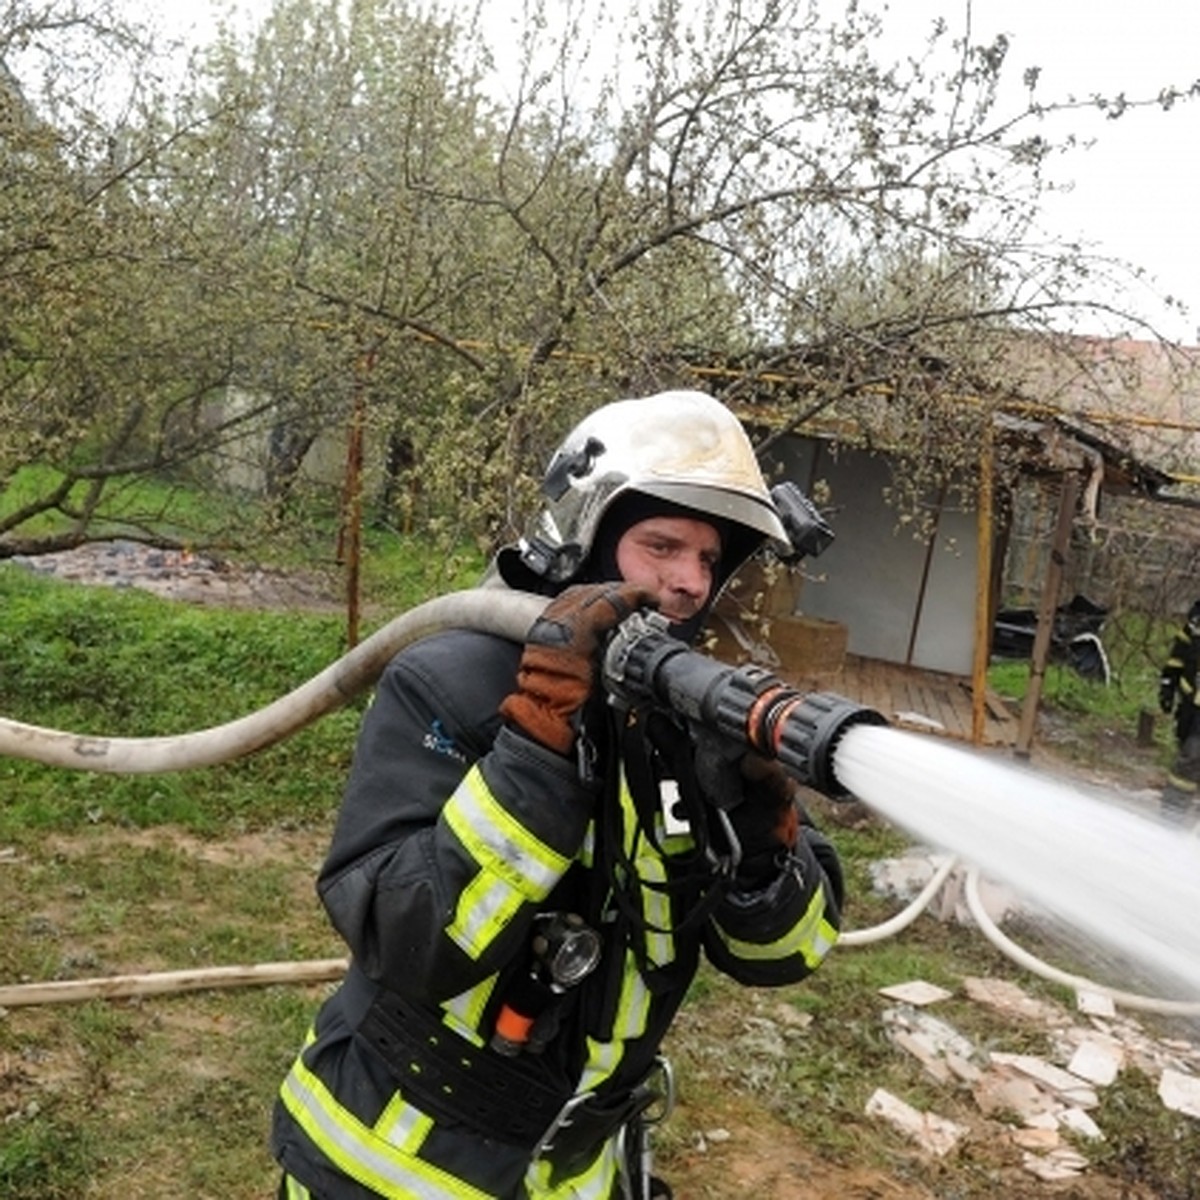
(676,558)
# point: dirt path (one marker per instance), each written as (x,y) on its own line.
(191,578)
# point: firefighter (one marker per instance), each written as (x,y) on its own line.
(527,875)
(1177,693)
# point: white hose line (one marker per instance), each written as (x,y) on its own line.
(990,930)
(1021,956)
(509,614)
(903,919)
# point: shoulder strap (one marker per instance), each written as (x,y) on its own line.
(693,878)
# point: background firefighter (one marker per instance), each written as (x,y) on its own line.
(527,875)
(1177,693)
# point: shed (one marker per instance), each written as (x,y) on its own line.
(917,599)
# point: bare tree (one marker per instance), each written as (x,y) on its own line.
(372,205)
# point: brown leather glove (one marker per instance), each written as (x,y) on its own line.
(768,818)
(558,667)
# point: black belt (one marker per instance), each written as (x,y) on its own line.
(513,1100)
(510,1099)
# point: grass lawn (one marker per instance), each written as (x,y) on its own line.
(169,1095)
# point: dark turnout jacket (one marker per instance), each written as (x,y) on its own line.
(1177,683)
(456,833)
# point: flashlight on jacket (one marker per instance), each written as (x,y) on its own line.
(565,952)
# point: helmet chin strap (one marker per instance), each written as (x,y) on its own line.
(688,631)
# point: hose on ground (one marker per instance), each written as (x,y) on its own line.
(906,916)
(1023,958)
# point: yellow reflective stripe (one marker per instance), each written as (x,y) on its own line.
(812,936)
(634,1005)
(498,842)
(358,1152)
(1181,784)
(656,907)
(602,1060)
(677,843)
(656,904)
(466,1010)
(587,852)
(402,1125)
(629,1023)
(630,829)
(514,866)
(295,1190)
(596,1183)
(485,906)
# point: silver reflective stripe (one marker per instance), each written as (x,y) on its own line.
(499,842)
(343,1139)
(514,866)
(403,1126)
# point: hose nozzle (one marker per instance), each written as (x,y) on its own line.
(747,703)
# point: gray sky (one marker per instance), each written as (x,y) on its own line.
(1132,194)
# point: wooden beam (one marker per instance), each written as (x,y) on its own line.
(1067,499)
(983,586)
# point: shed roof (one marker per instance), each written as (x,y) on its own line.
(1130,408)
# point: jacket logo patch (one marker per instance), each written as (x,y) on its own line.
(440,742)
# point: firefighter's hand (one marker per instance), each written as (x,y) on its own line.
(1166,698)
(774,827)
(559,666)
(767,821)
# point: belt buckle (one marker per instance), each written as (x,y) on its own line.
(562,1120)
(663,1076)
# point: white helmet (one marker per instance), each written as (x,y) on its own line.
(683,447)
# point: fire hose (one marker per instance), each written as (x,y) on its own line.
(747,704)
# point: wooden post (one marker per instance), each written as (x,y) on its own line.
(983,587)
(1068,496)
(1145,727)
(349,551)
